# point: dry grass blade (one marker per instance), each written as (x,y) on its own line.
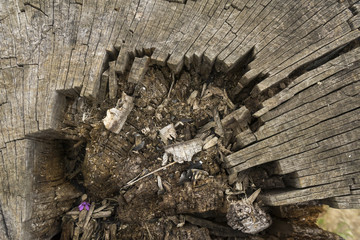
(132,182)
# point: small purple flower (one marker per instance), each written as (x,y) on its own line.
(84,204)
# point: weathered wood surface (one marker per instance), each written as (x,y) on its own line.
(51,50)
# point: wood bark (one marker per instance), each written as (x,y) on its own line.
(304,76)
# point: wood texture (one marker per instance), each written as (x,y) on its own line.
(55,50)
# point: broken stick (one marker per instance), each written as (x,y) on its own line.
(132,182)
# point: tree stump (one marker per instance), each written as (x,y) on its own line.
(291,67)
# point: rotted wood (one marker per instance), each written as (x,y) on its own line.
(291,113)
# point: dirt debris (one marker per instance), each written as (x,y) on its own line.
(160,156)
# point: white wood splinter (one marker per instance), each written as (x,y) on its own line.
(116,117)
(183,152)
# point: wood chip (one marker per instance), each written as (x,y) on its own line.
(217,120)
(192,97)
(101,208)
(88,215)
(102,214)
(113,231)
(168,133)
(183,152)
(165,159)
(116,117)
(210,143)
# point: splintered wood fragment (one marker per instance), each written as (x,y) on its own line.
(106,234)
(217,120)
(76,233)
(203,90)
(101,208)
(245,138)
(253,196)
(103,85)
(210,143)
(73,213)
(165,159)
(88,215)
(184,151)
(102,214)
(228,101)
(113,231)
(171,86)
(113,86)
(82,217)
(192,97)
(116,117)
(167,186)
(138,69)
(168,133)
(160,185)
(241,115)
(88,230)
(213,91)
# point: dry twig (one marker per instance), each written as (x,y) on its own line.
(132,182)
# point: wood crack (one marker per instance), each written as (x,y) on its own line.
(35,7)
(3,224)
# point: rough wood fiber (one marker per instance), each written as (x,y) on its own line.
(54,50)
